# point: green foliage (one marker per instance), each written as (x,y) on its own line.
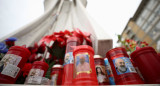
(58,51)
(49,70)
(55,51)
(131,45)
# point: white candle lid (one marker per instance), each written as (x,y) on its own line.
(57,66)
(97,56)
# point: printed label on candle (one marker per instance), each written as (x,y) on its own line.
(8,65)
(34,80)
(11,59)
(82,63)
(123,65)
(109,71)
(108,67)
(10,70)
(35,76)
(68,58)
(54,79)
(101,74)
(36,72)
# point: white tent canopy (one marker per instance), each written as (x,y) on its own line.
(60,15)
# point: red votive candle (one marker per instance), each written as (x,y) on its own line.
(67,77)
(84,67)
(12,63)
(56,74)
(102,75)
(148,63)
(37,72)
(123,70)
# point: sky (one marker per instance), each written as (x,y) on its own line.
(111,15)
(16,13)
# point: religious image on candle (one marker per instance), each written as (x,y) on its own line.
(123,65)
(8,65)
(101,74)
(36,72)
(82,63)
(11,59)
(68,58)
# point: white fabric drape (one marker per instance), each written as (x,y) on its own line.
(60,15)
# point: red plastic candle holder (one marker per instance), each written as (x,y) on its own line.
(122,68)
(37,72)
(12,63)
(102,75)
(69,60)
(84,67)
(148,63)
(56,74)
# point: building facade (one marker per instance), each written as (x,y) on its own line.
(145,24)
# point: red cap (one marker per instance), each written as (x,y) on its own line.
(57,66)
(41,63)
(83,47)
(116,51)
(98,57)
(140,51)
(21,48)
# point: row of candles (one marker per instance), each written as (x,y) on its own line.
(82,67)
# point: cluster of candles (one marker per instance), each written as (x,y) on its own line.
(82,67)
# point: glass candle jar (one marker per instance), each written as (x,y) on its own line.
(123,70)
(37,73)
(69,61)
(102,75)
(56,74)
(84,67)
(148,63)
(12,63)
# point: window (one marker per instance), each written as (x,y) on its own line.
(151,18)
(129,31)
(155,31)
(140,21)
(152,33)
(128,28)
(145,26)
(157,27)
(151,4)
(145,13)
(157,10)
(134,37)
